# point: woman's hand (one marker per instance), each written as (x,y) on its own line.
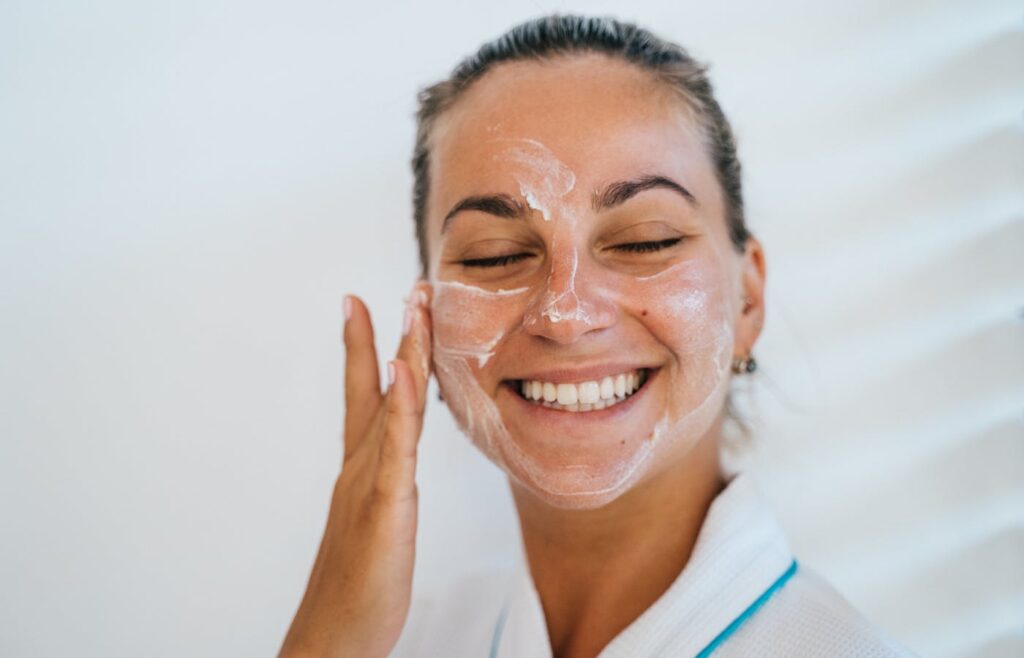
(358,594)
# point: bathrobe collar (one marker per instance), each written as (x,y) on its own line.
(740,558)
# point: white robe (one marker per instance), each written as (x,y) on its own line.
(740,594)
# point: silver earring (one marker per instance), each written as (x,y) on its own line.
(744,364)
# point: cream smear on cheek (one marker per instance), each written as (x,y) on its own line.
(468,327)
(684,311)
(694,318)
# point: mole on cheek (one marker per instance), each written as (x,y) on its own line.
(644,312)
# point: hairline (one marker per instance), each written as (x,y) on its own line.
(662,80)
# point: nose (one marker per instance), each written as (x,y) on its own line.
(570,304)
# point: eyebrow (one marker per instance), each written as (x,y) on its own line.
(614,194)
(499,205)
(621,191)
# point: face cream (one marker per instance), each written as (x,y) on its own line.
(670,331)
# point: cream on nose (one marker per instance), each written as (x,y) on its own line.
(559,301)
(562,301)
(565,308)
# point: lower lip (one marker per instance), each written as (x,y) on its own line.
(611,413)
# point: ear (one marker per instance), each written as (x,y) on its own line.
(750,319)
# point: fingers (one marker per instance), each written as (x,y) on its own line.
(396,473)
(414,348)
(363,399)
(406,399)
(362,382)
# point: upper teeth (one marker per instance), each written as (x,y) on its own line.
(584,396)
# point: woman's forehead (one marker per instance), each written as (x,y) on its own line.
(576,104)
(600,119)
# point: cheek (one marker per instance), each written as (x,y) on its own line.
(470,323)
(468,327)
(684,308)
(691,322)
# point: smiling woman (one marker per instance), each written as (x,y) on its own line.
(589,288)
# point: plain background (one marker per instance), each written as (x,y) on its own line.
(187,189)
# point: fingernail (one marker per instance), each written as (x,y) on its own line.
(421,297)
(391,373)
(348,307)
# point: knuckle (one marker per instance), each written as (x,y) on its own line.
(402,411)
(394,447)
(386,497)
(383,496)
(379,494)
(388,451)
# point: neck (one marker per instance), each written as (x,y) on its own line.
(627,552)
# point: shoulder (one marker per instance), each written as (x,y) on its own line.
(808,617)
(457,619)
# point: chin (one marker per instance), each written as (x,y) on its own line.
(577,485)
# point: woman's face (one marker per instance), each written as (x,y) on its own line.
(579,251)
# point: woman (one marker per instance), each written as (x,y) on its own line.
(589,290)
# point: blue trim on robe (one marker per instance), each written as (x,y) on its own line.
(498,628)
(749,612)
(706,651)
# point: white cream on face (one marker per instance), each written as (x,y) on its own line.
(683,308)
(465,337)
(543,179)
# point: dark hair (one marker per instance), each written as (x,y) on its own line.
(553,36)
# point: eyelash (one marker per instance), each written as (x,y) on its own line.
(497,261)
(657,245)
(632,247)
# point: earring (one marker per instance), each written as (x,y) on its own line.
(744,364)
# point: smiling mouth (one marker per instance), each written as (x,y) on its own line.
(591,395)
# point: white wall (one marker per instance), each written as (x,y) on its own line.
(187,190)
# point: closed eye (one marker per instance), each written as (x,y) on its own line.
(634,247)
(640,247)
(495,261)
